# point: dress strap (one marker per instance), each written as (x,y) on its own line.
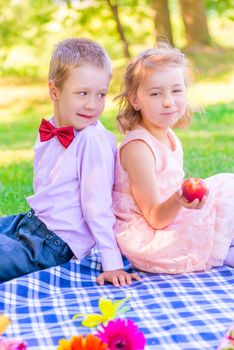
(141,135)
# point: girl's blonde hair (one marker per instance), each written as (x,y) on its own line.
(76,52)
(162,54)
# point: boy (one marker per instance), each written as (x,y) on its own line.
(71,208)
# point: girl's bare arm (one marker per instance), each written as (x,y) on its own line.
(139,162)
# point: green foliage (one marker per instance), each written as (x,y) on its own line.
(30,28)
(97,21)
(220,6)
(24,20)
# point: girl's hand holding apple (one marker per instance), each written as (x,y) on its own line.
(193,193)
(194,188)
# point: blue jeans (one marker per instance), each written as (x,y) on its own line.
(26,245)
(229,260)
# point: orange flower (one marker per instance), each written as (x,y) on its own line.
(91,342)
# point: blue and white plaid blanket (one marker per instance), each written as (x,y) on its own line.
(176,312)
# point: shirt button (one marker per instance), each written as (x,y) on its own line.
(29,215)
(49,236)
(57,242)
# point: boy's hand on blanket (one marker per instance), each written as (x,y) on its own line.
(118,278)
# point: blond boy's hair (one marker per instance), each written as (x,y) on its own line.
(161,55)
(76,52)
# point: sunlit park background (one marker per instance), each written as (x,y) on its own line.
(203,30)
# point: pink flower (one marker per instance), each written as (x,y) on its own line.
(122,334)
(227,342)
(12,344)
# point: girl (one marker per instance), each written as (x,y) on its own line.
(157,228)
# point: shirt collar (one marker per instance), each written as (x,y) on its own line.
(76,132)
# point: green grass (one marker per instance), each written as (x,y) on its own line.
(208,142)
(15,185)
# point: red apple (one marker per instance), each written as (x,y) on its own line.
(194,188)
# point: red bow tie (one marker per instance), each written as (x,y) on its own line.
(64,134)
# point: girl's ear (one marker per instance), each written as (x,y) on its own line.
(133,100)
(53,91)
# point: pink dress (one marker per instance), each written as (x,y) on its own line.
(197,239)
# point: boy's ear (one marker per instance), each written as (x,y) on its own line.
(53,91)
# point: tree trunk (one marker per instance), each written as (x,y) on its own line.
(69,4)
(162,20)
(115,11)
(195,22)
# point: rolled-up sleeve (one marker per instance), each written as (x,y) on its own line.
(96,181)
